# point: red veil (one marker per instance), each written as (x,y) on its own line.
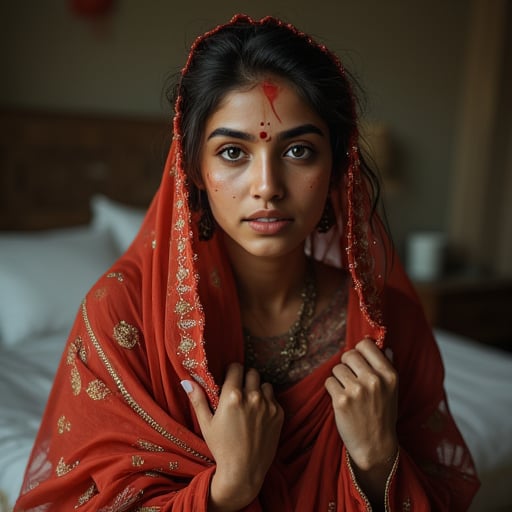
(119,434)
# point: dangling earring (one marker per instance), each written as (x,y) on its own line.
(206,222)
(328,218)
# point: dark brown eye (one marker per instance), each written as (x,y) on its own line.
(299,152)
(231,153)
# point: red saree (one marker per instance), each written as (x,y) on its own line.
(119,434)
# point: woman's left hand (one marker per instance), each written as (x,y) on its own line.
(364,389)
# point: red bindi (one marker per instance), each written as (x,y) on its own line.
(271,91)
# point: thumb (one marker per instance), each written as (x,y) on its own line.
(199,402)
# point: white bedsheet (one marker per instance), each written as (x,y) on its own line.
(478,384)
(26,375)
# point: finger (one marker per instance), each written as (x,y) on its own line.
(344,375)
(252,380)
(374,356)
(199,402)
(268,391)
(234,377)
(333,387)
(355,360)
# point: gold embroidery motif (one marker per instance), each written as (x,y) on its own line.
(183,288)
(126,335)
(406,505)
(76,381)
(137,461)
(148,509)
(187,324)
(126,395)
(190,364)
(186,345)
(182,274)
(153,244)
(63,468)
(148,446)
(76,348)
(87,495)
(97,390)
(63,425)
(183,307)
(116,275)
(331,507)
(173,465)
(123,501)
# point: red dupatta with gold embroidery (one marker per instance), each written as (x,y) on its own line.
(119,434)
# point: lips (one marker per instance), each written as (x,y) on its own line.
(268,222)
(268,216)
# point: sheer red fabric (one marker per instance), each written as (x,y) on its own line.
(119,432)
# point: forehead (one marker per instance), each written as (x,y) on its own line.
(269,99)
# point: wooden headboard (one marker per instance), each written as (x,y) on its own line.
(51,164)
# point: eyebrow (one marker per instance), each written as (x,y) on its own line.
(287,134)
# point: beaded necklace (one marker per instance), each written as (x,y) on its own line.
(296,345)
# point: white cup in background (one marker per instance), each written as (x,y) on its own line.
(425,255)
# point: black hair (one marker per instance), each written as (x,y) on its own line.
(243,52)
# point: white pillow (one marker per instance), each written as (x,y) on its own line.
(44,276)
(121,220)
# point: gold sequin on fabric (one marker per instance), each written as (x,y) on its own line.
(76,381)
(63,425)
(186,345)
(116,275)
(126,335)
(123,501)
(173,465)
(148,509)
(183,307)
(148,446)
(87,496)
(63,468)
(137,461)
(331,507)
(76,348)
(97,390)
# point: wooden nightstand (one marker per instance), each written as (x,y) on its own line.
(475,307)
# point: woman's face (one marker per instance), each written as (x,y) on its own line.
(266,164)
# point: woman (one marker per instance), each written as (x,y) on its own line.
(245,352)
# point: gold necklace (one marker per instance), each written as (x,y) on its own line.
(296,344)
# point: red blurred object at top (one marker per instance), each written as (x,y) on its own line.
(91,8)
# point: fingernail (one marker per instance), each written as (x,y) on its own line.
(187,386)
(389,354)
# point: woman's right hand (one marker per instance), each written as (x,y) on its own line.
(242,435)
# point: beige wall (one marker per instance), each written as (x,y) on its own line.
(408,56)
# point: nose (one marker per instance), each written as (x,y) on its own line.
(267,180)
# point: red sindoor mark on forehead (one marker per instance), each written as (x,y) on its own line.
(271,91)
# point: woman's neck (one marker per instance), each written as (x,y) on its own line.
(269,289)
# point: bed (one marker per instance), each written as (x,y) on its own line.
(73,191)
